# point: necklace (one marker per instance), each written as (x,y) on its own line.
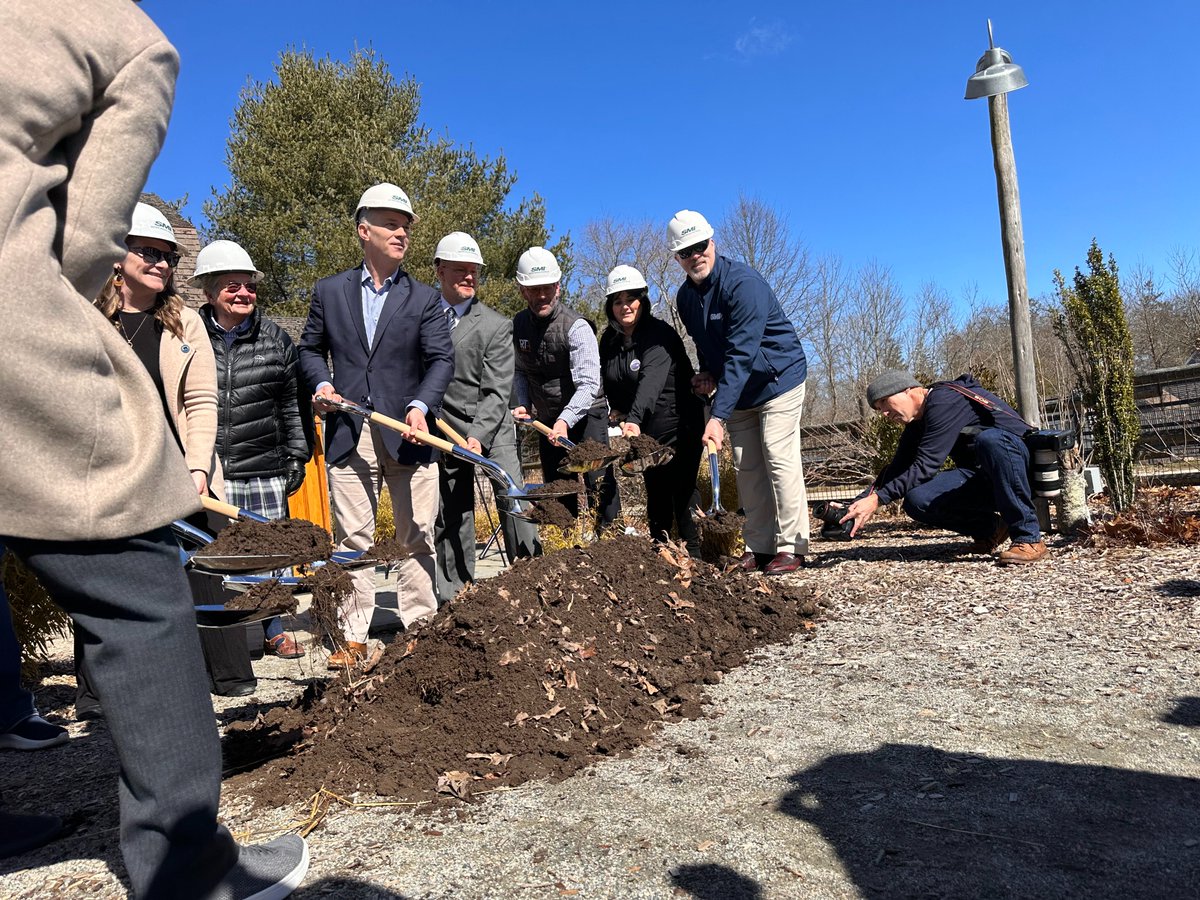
(121,325)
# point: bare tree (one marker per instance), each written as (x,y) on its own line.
(929,323)
(755,233)
(828,332)
(1160,327)
(876,316)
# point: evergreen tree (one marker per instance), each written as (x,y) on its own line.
(302,149)
(1094,328)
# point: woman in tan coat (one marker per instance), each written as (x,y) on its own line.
(172,343)
(170,339)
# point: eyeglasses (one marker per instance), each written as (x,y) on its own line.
(154,256)
(232,287)
(694,250)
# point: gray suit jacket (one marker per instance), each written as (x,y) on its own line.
(85,451)
(476,402)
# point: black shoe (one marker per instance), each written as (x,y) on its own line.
(238,690)
(88,713)
(20,833)
(32,733)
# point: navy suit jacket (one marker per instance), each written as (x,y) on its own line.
(412,358)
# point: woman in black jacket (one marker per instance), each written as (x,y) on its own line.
(648,378)
(262,414)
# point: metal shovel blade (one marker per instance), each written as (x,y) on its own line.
(238,565)
(649,461)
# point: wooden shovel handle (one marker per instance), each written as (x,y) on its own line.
(712,447)
(449,430)
(541,427)
(220,507)
(404,428)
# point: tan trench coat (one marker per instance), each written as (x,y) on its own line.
(85,452)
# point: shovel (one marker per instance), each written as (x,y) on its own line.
(715,474)
(494,470)
(592,465)
(241,565)
(649,461)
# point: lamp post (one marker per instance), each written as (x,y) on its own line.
(995,75)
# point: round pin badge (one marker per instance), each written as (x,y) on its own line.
(635,365)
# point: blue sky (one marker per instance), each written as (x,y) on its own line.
(848,118)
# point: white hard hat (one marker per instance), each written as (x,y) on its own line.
(687,228)
(624,278)
(385,196)
(224,256)
(458,246)
(148,222)
(537,265)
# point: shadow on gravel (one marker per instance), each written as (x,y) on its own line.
(1186,712)
(346,888)
(714,882)
(949,550)
(1179,587)
(915,821)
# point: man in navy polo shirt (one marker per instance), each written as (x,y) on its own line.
(750,354)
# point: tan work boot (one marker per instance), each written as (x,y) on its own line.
(1022,553)
(353,653)
(992,542)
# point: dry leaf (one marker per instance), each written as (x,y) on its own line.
(509,657)
(705,845)
(552,712)
(570,679)
(455,783)
(520,719)
(496,759)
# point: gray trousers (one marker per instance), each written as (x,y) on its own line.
(130,601)
(455,532)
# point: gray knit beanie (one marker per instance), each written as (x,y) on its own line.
(892,382)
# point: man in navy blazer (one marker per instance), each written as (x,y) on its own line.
(389,345)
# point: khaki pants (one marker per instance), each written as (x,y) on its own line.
(354,488)
(770,474)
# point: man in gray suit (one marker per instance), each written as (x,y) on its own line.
(90,475)
(476,406)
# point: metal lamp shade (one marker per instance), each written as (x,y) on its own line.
(995,73)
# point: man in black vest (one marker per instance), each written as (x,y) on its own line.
(558,375)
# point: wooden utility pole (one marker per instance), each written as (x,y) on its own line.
(1013,240)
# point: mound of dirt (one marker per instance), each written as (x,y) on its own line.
(562,660)
(555,488)
(300,541)
(266,595)
(588,451)
(551,512)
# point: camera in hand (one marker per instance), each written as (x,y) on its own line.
(830,514)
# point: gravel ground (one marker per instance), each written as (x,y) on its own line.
(955,730)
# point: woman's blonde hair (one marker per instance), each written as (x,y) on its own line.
(168,305)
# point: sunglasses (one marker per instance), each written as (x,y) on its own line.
(233,287)
(154,256)
(694,250)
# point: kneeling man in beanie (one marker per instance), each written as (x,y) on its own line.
(987,496)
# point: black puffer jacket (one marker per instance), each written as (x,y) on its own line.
(262,412)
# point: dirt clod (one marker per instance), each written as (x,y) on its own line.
(300,541)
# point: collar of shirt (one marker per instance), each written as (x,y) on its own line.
(232,334)
(369,283)
(460,309)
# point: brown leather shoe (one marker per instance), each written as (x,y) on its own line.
(1023,553)
(352,654)
(991,543)
(752,562)
(283,646)
(783,564)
